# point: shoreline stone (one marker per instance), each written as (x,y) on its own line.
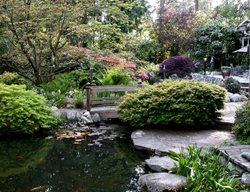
(160,164)
(162,182)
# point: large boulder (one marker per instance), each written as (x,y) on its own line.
(162,182)
(160,164)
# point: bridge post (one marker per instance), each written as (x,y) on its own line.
(88,94)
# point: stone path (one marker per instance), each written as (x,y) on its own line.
(228,114)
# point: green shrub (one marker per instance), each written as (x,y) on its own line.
(116,76)
(204,171)
(185,102)
(232,85)
(78,99)
(9,78)
(62,86)
(23,111)
(241,126)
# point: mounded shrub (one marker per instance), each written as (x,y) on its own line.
(186,102)
(116,76)
(178,65)
(232,85)
(241,127)
(23,111)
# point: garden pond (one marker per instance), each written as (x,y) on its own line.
(48,164)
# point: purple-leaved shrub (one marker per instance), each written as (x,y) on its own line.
(178,65)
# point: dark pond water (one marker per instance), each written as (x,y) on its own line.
(60,165)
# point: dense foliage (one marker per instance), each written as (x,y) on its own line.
(185,102)
(64,85)
(174,29)
(178,65)
(215,39)
(23,111)
(33,33)
(12,78)
(204,171)
(232,85)
(116,76)
(241,127)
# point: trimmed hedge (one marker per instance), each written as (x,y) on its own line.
(23,111)
(241,126)
(186,102)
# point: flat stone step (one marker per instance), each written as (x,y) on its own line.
(233,153)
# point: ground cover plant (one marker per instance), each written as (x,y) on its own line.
(204,171)
(241,127)
(185,102)
(64,85)
(23,111)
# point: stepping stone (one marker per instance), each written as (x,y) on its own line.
(245,179)
(162,182)
(160,164)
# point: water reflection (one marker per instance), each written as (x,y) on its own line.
(63,166)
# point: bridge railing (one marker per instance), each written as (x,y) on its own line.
(106,95)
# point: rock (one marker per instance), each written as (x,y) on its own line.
(86,117)
(246,155)
(245,179)
(71,114)
(237,97)
(96,118)
(164,140)
(68,102)
(160,164)
(159,182)
(56,111)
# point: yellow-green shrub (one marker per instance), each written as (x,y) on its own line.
(10,78)
(185,102)
(23,111)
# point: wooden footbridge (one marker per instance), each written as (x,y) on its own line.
(104,99)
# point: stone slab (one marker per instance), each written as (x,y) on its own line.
(160,182)
(161,141)
(160,164)
(233,153)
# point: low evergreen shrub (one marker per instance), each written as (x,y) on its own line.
(232,85)
(204,171)
(241,126)
(186,102)
(23,111)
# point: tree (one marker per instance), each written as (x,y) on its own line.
(215,40)
(39,30)
(174,29)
